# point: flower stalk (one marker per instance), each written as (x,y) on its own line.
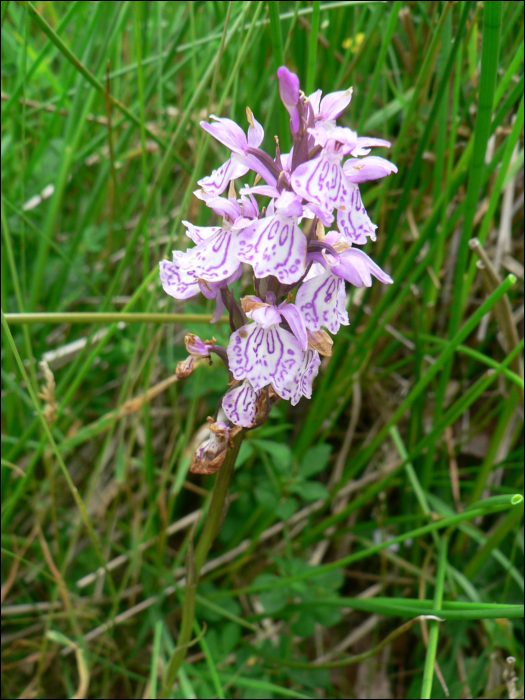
(196,558)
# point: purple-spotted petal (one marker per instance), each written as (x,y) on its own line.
(198,234)
(215,259)
(274,246)
(211,290)
(264,356)
(219,180)
(364,169)
(301,385)
(295,321)
(358,269)
(240,405)
(322,182)
(321,301)
(289,93)
(353,221)
(177,282)
(228,133)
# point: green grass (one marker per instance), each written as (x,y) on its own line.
(393,495)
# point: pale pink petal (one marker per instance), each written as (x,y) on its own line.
(265,316)
(249,206)
(259,167)
(228,133)
(274,246)
(263,190)
(364,169)
(315,99)
(228,208)
(357,268)
(219,309)
(334,104)
(335,138)
(353,221)
(255,134)
(289,93)
(288,204)
(264,356)
(240,405)
(326,217)
(321,302)
(296,322)
(301,385)
(365,143)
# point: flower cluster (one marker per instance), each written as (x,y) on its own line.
(276,342)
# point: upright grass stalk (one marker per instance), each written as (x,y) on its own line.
(387,38)
(312,51)
(487,88)
(433,637)
(80,505)
(278,60)
(195,560)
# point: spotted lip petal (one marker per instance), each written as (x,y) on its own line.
(218,181)
(302,382)
(215,259)
(176,281)
(322,182)
(274,246)
(353,221)
(264,356)
(211,290)
(321,302)
(198,234)
(240,405)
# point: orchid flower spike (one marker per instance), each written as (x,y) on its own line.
(300,273)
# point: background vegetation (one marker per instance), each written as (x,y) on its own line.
(389,495)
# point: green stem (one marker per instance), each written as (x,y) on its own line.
(195,561)
(430,660)
(20,319)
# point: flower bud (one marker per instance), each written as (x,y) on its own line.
(196,347)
